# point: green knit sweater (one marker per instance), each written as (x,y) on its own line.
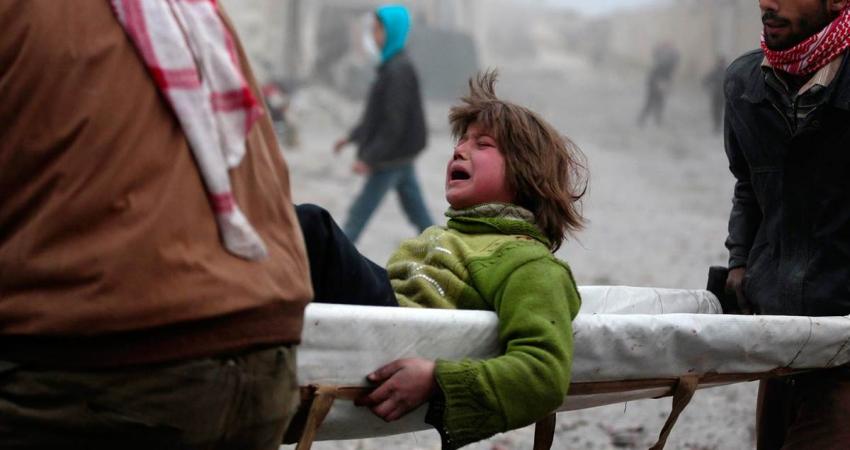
(492,257)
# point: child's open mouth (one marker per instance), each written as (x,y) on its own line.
(458,174)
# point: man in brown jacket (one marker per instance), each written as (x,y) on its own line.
(124,321)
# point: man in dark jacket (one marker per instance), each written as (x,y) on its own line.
(787,131)
(392,131)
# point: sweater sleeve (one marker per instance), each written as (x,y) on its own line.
(535,305)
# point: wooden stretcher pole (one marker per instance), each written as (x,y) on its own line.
(610,387)
(320,399)
(685,389)
(544,433)
(323,399)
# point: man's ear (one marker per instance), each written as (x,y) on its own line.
(835,6)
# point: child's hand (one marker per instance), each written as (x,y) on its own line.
(403,385)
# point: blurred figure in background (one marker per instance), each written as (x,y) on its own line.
(787,116)
(665,59)
(279,100)
(392,131)
(713,85)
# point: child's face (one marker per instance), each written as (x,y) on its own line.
(476,172)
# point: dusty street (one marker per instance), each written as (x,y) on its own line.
(657,206)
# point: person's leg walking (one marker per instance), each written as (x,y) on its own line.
(646,110)
(410,197)
(340,273)
(377,185)
(717,113)
(659,108)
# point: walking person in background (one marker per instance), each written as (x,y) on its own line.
(392,131)
(665,59)
(713,85)
(786,133)
(153,275)
(279,100)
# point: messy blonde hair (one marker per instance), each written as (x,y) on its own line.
(545,169)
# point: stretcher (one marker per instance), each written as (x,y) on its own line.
(630,343)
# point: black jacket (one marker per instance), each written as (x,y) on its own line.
(392,131)
(790,219)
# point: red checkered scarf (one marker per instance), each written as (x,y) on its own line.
(816,51)
(191,57)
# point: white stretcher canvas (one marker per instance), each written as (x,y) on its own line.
(621,333)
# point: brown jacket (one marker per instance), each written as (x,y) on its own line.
(109,252)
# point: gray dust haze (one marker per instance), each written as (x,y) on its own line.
(636,88)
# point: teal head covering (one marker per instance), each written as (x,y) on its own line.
(396,22)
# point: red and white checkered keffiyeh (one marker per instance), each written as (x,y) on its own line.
(191,57)
(816,51)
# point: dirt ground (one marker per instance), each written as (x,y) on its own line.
(657,206)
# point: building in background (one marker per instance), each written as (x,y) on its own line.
(320,41)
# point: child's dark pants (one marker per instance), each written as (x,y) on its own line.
(340,273)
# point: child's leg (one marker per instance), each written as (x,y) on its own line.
(340,273)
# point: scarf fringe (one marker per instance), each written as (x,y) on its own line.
(192,57)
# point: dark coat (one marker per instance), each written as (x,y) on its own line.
(790,219)
(392,131)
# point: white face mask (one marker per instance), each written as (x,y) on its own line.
(371,47)
(368,40)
